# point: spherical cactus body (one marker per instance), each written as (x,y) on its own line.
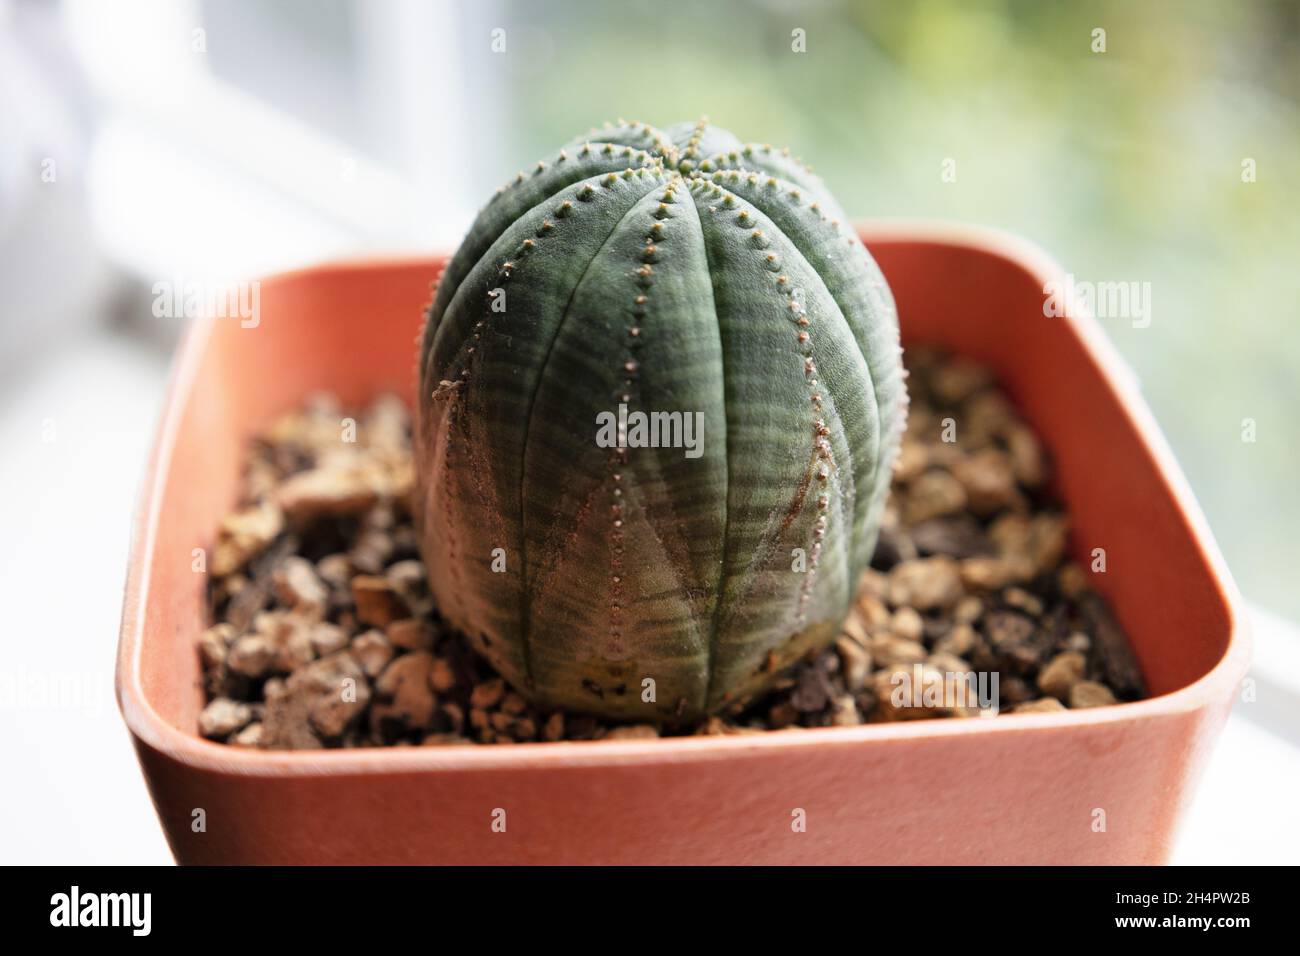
(662,566)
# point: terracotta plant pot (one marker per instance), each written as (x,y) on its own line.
(1012,789)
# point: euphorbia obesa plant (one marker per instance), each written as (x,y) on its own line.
(679,272)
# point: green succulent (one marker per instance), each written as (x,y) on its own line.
(661,271)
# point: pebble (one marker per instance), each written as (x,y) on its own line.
(250,655)
(315,704)
(907,624)
(298,586)
(378,603)
(488,694)
(855,662)
(403,692)
(844,711)
(890,651)
(410,634)
(1061,673)
(372,651)
(442,677)
(329,491)
(326,638)
(1043,705)
(223,716)
(960,640)
(632,732)
(1087,693)
(932,495)
(243,535)
(554,727)
(988,482)
(251,736)
(927,584)
(213,645)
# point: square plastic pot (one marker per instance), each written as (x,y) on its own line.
(1105,785)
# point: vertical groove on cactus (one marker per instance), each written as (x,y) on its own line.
(661,271)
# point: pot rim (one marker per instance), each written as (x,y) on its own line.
(149,728)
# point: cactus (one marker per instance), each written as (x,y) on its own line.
(663,271)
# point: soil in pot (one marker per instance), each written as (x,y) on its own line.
(324,634)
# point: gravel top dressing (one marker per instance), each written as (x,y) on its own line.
(323,632)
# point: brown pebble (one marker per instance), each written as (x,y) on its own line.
(372,651)
(890,651)
(445,740)
(633,732)
(1005,628)
(251,736)
(933,495)
(956,380)
(403,692)
(243,535)
(988,481)
(442,677)
(213,645)
(1061,673)
(378,602)
(297,585)
(907,624)
(1078,641)
(900,692)
(327,638)
(335,570)
(960,640)
(250,655)
(1087,693)
(949,663)
(855,662)
(1072,580)
(1022,600)
(926,584)
(968,610)
(844,712)
(330,491)
(1043,705)
(410,634)
(990,573)
(317,702)
(223,716)
(1026,453)
(488,694)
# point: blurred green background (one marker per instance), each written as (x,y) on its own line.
(1125,165)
